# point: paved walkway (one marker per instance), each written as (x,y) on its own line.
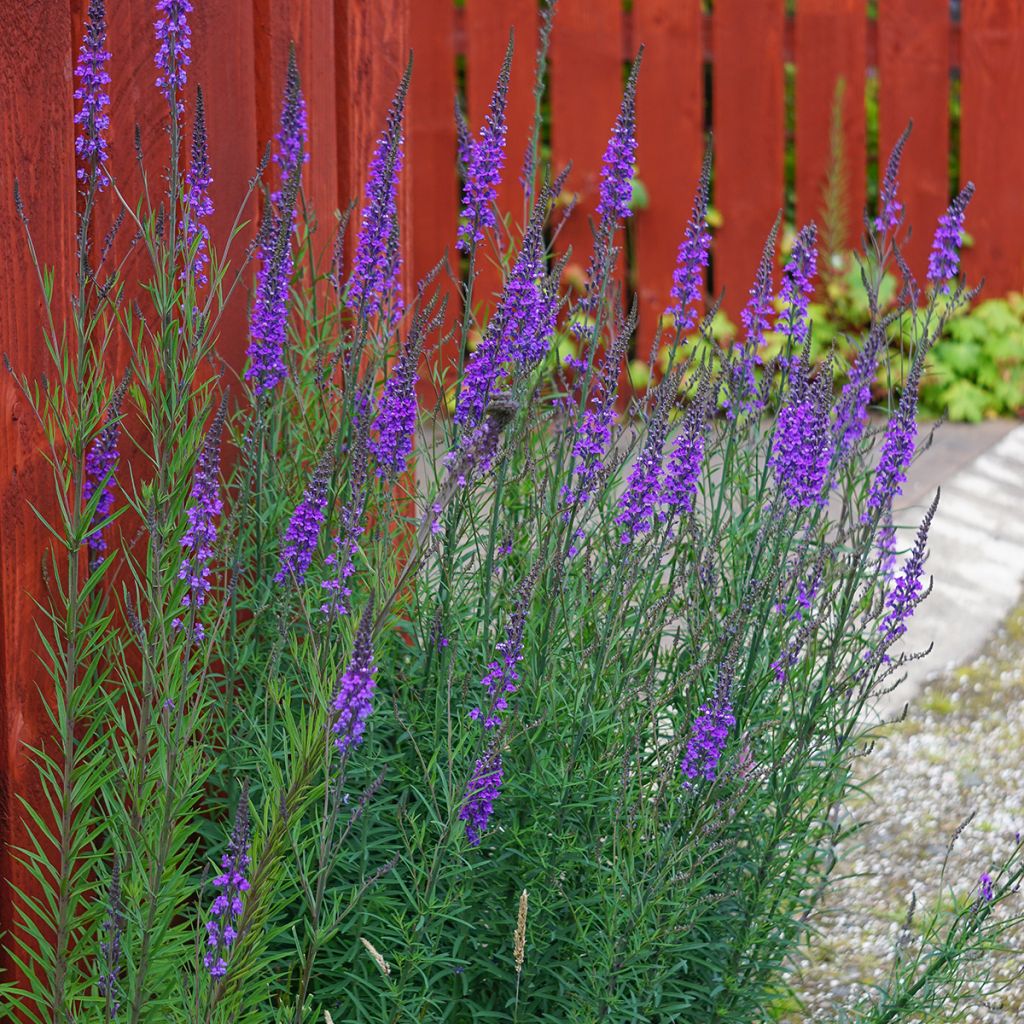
(976,544)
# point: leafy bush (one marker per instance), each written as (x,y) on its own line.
(557,730)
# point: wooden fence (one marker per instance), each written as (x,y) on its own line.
(727,67)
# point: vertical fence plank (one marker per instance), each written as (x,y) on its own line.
(831,46)
(433,186)
(670,147)
(229,94)
(586,90)
(992,140)
(36,137)
(747,117)
(913,72)
(487,30)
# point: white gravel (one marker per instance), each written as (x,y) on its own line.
(960,750)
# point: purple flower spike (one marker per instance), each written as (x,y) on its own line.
(897,450)
(396,417)
(986,891)
(481,792)
(374,281)
(707,740)
(638,503)
(232,883)
(679,485)
(802,445)
(755,317)
(616,188)
(483,160)
(201,534)
(198,204)
(175,39)
(906,593)
(692,260)
(293,135)
(852,407)
(93,78)
(268,319)
(303,532)
(353,702)
(100,466)
(501,678)
(890,209)
(798,286)
(478,450)
(944,259)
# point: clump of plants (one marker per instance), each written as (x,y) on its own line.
(544,714)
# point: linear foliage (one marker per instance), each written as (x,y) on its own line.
(551,719)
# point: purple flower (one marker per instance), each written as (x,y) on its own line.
(478,449)
(692,259)
(303,532)
(195,237)
(890,209)
(802,445)
(798,285)
(682,471)
(293,135)
(638,502)
(110,946)
(743,393)
(100,466)
(204,507)
(616,189)
(93,78)
(374,280)
(396,416)
(708,736)
(906,593)
(944,259)
(232,883)
(483,160)
(501,677)
(897,450)
(520,328)
(268,319)
(986,891)
(482,790)
(175,39)
(852,407)
(353,703)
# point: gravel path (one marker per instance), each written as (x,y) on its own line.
(960,750)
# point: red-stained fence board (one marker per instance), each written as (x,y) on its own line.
(747,117)
(670,145)
(229,94)
(586,92)
(310,25)
(37,142)
(487,31)
(992,140)
(913,80)
(831,46)
(430,168)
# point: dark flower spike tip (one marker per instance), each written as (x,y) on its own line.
(692,259)
(483,160)
(890,209)
(291,152)
(616,188)
(198,204)
(374,279)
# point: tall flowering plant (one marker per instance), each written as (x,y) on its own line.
(335,677)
